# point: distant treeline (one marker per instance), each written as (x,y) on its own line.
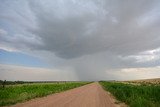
(4,82)
(12,82)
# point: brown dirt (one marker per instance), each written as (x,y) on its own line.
(91,95)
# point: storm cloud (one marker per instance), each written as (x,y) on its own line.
(91,37)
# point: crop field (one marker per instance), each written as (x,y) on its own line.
(12,94)
(143,95)
(144,81)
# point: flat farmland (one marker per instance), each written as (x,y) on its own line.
(12,94)
(138,93)
(155,81)
(90,95)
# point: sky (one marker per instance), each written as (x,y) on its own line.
(54,40)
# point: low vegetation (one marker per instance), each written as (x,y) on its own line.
(135,95)
(155,81)
(12,94)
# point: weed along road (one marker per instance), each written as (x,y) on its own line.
(91,95)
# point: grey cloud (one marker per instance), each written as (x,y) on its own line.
(89,36)
(73,29)
(113,26)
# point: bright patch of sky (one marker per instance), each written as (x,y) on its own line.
(16,58)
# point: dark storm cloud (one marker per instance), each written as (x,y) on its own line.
(72,29)
(91,37)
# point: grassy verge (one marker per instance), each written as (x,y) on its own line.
(135,95)
(13,94)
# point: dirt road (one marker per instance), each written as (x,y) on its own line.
(91,95)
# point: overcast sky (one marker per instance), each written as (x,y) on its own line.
(79,39)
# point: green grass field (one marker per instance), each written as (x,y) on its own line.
(135,95)
(18,93)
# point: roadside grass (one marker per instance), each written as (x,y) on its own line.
(134,95)
(19,93)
